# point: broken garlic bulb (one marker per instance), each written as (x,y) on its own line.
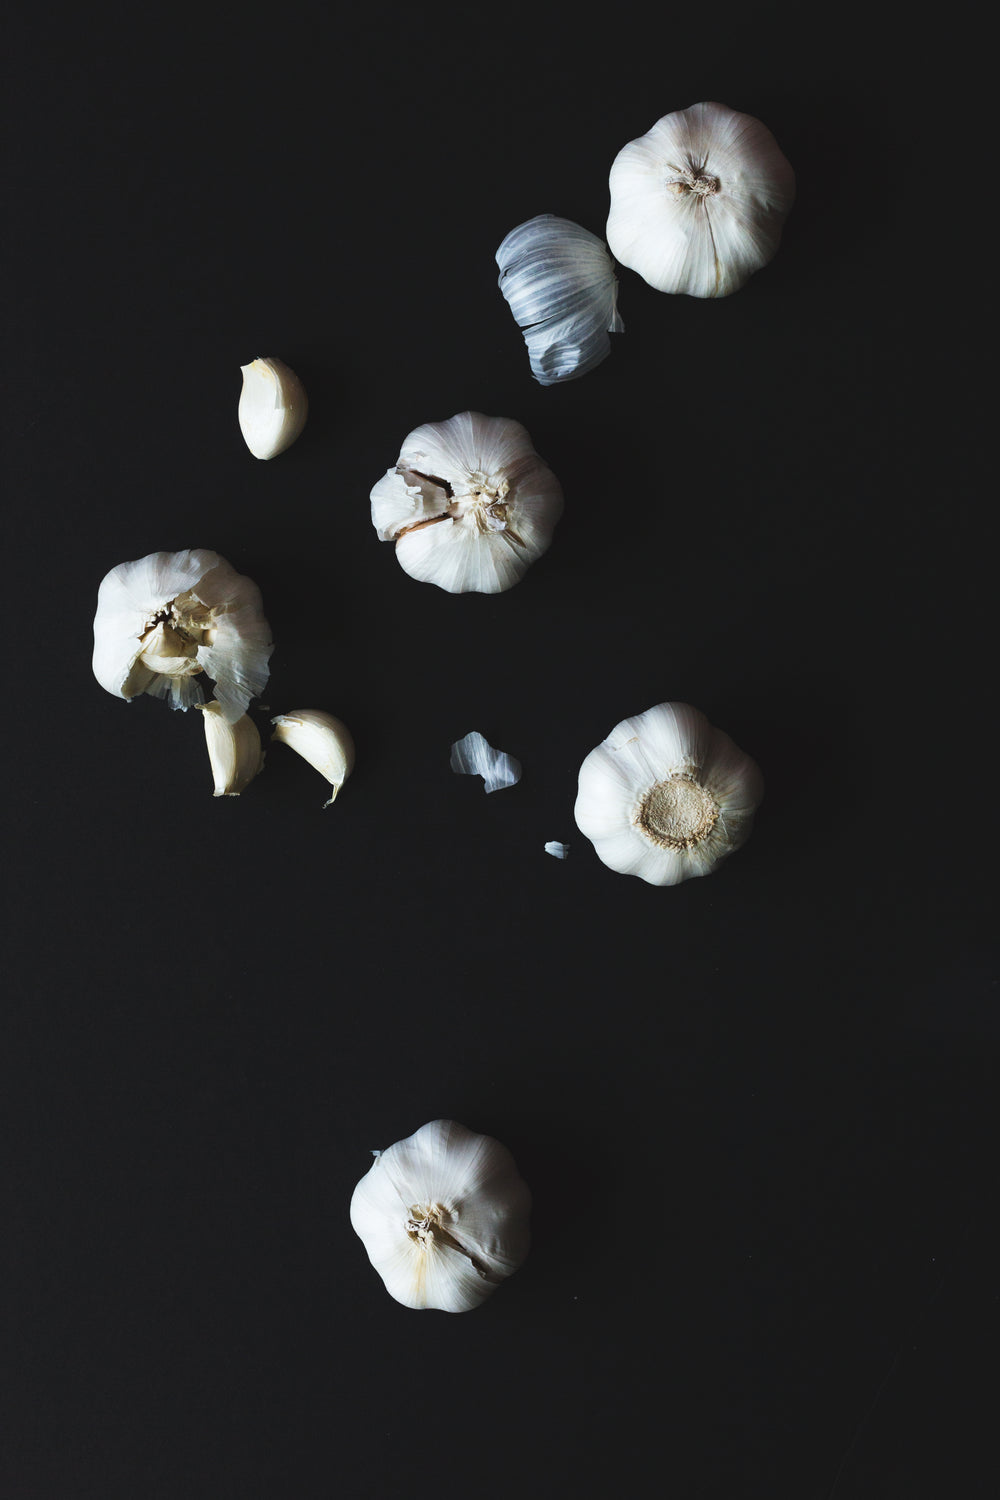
(699,201)
(443,1216)
(322,740)
(273,407)
(164,620)
(234,750)
(666,796)
(470,505)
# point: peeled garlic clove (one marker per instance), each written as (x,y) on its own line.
(666,796)
(443,1216)
(168,618)
(273,407)
(322,740)
(233,749)
(560,283)
(470,505)
(698,202)
(475,756)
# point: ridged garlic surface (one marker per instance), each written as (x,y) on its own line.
(699,201)
(273,407)
(560,284)
(666,796)
(469,504)
(234,750)
(167,618)
(322,740)
(443,1216)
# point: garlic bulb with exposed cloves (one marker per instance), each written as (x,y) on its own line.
(273,407)
(698,202)
(164,620)
(666,796)
(443,1216)
(560,283)
(234,750)
(470,505)
(322,740)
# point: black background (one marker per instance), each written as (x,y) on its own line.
(757,1111)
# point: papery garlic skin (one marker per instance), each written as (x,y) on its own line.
(234,750)
(475,756)
(273,407)
(666,796)
(560,284)
(321,739)
(470,505)
(556,849)
(167,618)
(443,1216)
(698,202)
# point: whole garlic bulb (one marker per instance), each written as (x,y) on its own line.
(164,620)
(273,407)
(698,202)
(443,1216)
(470,505)
(666,796)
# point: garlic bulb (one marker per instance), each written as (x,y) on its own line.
(273,407)
(165,619)
(666,796)
(475,756)
(443,1216)
(470,505)
(698,202)
(560,283)
(234,750)
(320,739)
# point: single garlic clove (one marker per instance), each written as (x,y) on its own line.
(273,407)
(475,756)
(322,740)
(666,796)
(443,1216)
(233,749)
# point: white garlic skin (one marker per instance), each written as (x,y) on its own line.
(443,1216)
(166,619)
(475,756)
(469,504)
(666,796)
(273,407)
(699,201)
(322,740)
(234,750)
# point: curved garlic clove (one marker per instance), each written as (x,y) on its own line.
(560,284)
(470,505)
(273,407)
(167,618)
(699,201)
(443,1216)
(234,750)
(322,740)
(475,756)
(666,796)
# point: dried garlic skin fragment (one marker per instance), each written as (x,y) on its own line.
(443,1216)
(556,849)
(273,407)
(234,750)
(475,756)
(322,740)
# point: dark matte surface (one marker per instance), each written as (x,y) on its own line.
(758,1111)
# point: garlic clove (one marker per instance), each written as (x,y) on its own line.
(475,756)
(273,407)
(322,740)
(234,750)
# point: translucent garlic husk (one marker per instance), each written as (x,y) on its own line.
(560,284)
(168,618)
(699,201)
(234,750)
(322,740)
(475,756)
(443,1216)
(666,796)
(273,407)
(470,505)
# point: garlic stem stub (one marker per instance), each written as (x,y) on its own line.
(699,201)
(469,504)
(443,1216)
(666,796)
(168,618)
(234,750)
(273,407)
(475,756)
(322,740)
(560,284)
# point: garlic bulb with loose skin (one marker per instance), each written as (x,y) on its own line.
(234,750)
(273,407)
(168,618)
(470,505)
(666,796)
(560,283)
(698,202)
(322,740)
(443,1216)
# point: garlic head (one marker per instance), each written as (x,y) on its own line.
(273,407)
(234,750)
(322,740)
(470,505)
(666,796)
(699,201)
(443,1216)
